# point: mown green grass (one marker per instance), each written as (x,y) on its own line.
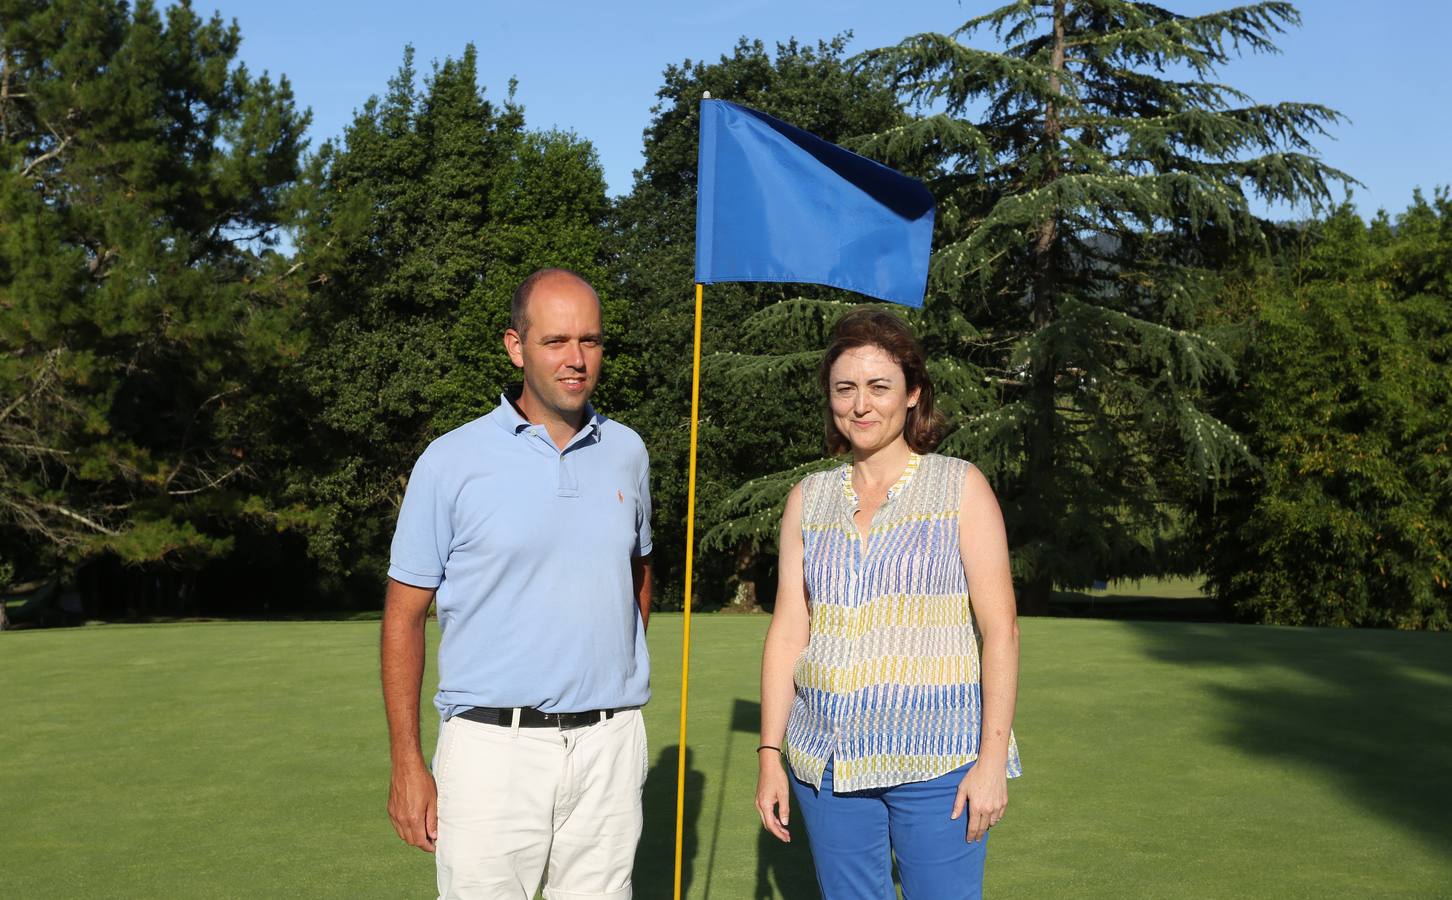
(1162,760)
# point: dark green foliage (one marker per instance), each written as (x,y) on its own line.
(748,427)
(191,422)
(1347,402)
(1083,215)
(143,318)
(546,205)
(420,224)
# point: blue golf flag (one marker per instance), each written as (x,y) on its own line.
(775,203)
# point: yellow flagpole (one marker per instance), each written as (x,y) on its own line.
(690,560)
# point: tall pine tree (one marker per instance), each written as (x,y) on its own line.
(143,177)
(1090,177)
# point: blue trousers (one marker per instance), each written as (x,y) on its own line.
(855,836)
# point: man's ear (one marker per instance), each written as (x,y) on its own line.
(514,346)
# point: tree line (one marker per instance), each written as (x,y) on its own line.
(221,349)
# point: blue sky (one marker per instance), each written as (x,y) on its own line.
(593,68)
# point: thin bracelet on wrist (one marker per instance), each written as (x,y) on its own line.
(767,747)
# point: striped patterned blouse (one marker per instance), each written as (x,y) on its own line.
(888,685)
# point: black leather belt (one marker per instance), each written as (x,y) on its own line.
(529,717)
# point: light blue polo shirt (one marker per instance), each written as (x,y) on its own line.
(530,550)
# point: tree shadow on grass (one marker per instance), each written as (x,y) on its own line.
(654,876)
(1375,717)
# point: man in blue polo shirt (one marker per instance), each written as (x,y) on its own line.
(530,529)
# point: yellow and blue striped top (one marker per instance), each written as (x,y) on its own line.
(888,685)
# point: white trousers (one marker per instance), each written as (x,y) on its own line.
(517,805)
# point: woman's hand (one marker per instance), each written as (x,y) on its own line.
(984,792)
(773,796)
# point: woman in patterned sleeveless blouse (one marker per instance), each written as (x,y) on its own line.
(896,728)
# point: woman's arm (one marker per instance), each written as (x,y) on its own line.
(984,548)
(785,639)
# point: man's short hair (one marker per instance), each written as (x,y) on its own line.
(519,303)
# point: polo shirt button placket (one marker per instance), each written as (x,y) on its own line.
(566,484)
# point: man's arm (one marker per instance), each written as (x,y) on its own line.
(412,795)
(643,579)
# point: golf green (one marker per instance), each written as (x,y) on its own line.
(1161,760)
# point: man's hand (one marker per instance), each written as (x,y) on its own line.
(413,805)
(773,796)
(984,792)
(412,795)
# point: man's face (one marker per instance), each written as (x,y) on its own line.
(560,351)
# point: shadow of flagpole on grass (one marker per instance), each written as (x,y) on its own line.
(741,720)
(782,870)
(745,717)
(654,877)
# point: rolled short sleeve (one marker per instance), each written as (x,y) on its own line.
(424,533)
(642,510)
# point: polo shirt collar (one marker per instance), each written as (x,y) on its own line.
(514,422)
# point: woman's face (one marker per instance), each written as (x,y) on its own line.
(867,393)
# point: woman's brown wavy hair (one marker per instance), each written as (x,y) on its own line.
(869,327)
